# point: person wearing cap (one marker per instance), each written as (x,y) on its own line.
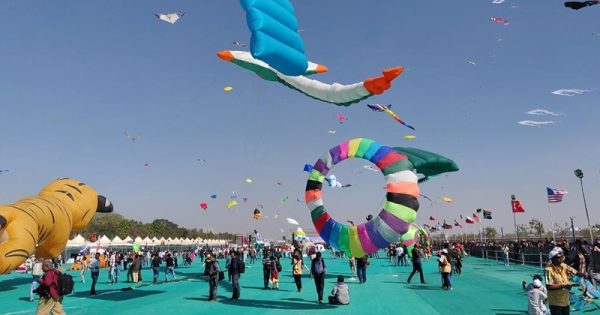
(558,275)
(536,298)
(445,269)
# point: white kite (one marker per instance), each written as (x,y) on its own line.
(471,62)
(569,92)
(292,221)
(542,112)
(533,123)
(170,17)
(371,168)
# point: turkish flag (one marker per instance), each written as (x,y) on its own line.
(517,206)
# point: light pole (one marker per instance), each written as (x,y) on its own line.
(572,229)
(579,175)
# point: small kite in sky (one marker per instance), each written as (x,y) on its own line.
(386,109)
(576,5)
(233,195)
(542,112)
(447,199)
(410,137)
(238,44)
(283,200)
(213,196)
(132,138)
(498,1)
(204,205)
(170,17)
(201,160)
(569,92)
(471,62)
(431,201)
(146,164)
(499,20)
(249,180)
(432,218)
(533,123)
(341,118)
(292,221)
(3,171)
(231,204)
(256,214)
(331,131)
(299,200)
(228,89)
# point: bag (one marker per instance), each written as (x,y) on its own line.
(221,275)
(279,267)
(318,266)
(241,267)
(65,284)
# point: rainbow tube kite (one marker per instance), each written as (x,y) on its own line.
(400,209)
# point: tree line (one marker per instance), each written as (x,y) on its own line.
(115,224)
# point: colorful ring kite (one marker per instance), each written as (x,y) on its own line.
(399,211)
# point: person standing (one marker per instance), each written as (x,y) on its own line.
(558,275)
(275,269)
(49,291)
(136,268)
(361,268)
(211,269)
(398,257)
(156,261)
(267,264)
(112,264)
(317,272)
(170,267)
(297,265)
(95,271)
(37,272)
(416,262)
(84,267)
(235,269)
(445,269)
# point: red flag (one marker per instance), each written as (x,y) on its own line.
(469,220)
(476,217)
(517,207)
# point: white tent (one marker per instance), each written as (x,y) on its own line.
(162,241)
(117,241)
(138,240)
(103,241)
(128,240)
(76,242)
(147,242)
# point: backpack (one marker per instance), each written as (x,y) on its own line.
(319,266)
(279,267)
(65,283)
(241,267)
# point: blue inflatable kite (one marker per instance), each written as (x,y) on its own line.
(275,39)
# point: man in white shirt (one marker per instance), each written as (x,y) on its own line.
(95,270)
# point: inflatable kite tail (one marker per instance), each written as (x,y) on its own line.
(379,84)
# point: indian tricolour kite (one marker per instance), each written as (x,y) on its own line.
(386,109)
(331,93)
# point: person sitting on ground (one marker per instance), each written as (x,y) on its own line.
(340,294)
(537,297)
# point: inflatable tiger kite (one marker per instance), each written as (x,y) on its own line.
(42,224)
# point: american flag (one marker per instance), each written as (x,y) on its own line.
(555,195)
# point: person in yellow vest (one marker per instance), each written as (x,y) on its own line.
(558,282)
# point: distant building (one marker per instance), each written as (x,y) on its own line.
(207,231)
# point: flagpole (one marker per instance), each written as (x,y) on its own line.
(515,221)
(551,228)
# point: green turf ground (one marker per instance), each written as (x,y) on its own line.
(486,287)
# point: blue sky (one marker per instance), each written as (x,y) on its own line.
(76,75)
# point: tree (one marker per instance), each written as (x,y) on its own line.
(537,227)
(490,233)
(522,230)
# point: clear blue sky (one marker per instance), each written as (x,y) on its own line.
(77,74)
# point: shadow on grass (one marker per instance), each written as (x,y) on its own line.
(11,284)
(117,295)
(280,305)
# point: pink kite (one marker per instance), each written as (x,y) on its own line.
(499,20)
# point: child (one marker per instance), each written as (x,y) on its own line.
(275,268)
(536,297)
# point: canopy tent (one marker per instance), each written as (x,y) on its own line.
(77,242)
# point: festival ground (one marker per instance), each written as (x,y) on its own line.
(485,287)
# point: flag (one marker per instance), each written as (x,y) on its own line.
(555,195)
(487,214)
(517,206)
(476,217)
(446,226)
(469,220)
(456,223)
(479,210)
